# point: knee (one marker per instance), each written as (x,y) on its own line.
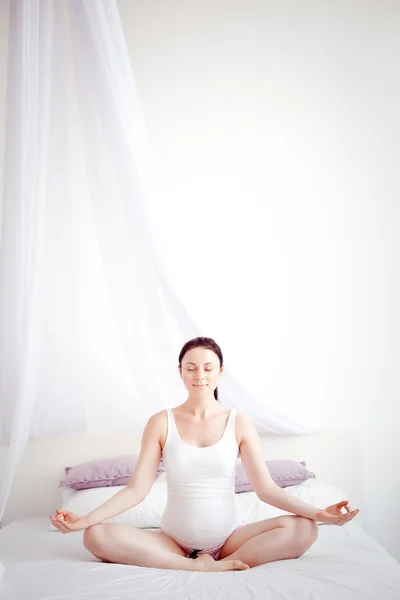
(305,533)
(93,537)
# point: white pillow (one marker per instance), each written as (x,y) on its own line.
(320,495)
(148,513)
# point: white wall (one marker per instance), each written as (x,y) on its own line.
(275,131)
(4,7)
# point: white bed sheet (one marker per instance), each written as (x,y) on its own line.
(345,562)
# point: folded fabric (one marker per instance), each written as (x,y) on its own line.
(103,472)
(284,472)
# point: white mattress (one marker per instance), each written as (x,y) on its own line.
(345,562)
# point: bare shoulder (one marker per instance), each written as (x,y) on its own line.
(158,425)
(244,421)
(244,427)
(156,419)
(158,416)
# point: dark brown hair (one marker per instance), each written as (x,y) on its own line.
(203,342)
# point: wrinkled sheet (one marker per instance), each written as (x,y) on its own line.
(345,562)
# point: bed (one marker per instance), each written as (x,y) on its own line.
(345,562)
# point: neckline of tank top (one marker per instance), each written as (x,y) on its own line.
(201,447)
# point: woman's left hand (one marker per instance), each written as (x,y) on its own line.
(334,515)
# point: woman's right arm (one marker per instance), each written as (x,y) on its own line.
(134,492)
(142,478)
(119,503)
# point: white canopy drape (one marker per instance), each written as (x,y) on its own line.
(74,132)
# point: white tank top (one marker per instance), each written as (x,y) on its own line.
(201,507)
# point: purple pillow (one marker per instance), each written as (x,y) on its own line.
(103,472)
(284,472)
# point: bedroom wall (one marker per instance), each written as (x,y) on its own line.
(278,122)
(286,115)
(4,7)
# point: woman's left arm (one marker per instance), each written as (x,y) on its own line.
(267,490)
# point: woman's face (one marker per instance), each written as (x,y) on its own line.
(200,371)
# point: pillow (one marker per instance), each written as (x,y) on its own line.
(117,471)
(320,495)
(284,472)
(103,472)
(148,513)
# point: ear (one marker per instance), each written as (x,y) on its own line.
(221,370)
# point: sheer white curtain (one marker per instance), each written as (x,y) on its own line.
(104,153)
(120,170)
(38,368)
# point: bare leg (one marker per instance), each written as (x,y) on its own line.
(285,537)
(132,546)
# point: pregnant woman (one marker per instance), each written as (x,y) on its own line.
(200,442)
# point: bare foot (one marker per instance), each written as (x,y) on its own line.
(205,562)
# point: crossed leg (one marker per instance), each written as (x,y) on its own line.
(288,536)
(254,544)
(129,545)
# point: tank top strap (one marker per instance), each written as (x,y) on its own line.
(232,414)
(230,426)
(172,433)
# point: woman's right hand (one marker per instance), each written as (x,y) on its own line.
(67,521)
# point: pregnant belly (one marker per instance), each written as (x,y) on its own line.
(200,522)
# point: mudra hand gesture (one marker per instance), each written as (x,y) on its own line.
(334,515)
(66,521)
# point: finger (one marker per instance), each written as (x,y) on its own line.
(347,518)
(343,521)
(55,524)
(59,519)
(343,504)
(339,519)
(58,524)
(61,527)
(354,513)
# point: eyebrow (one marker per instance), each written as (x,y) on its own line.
(192,363)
